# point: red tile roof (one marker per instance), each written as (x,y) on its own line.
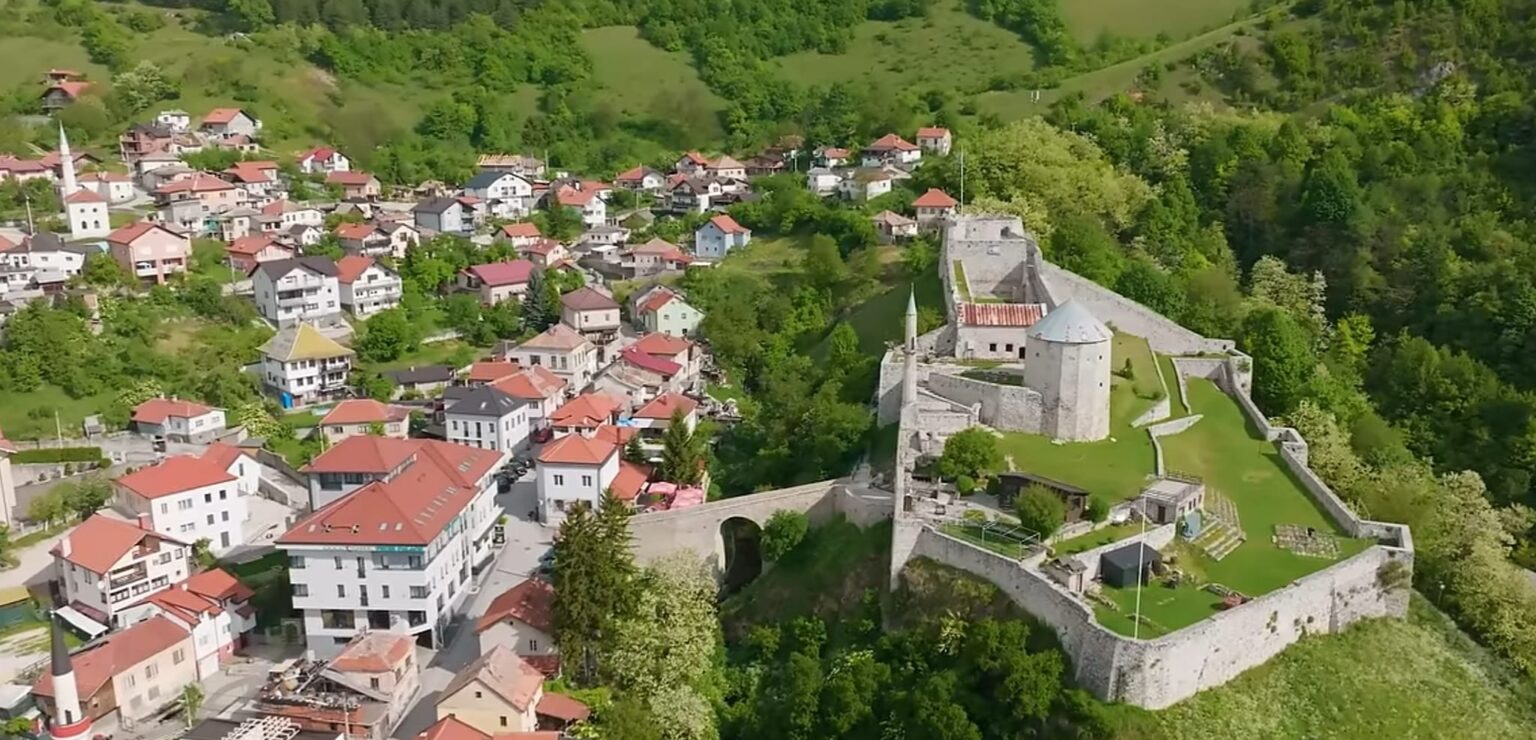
(355,232)
(504,673)
(695,158)
(665,345)
(636,174)
(452,728)
(131,233)
(615,434)
(251,246)
(157,410)
(568,196)
(891,142)
(530,384)
(100,541)
(362,411)
(562,707)
(586,410)
(497,274)
(348,178)
(373,652)
(221,115)
(630,481)
(662,406)
(935,198)
(932,132)
(574,449)
(588,298)
(174,475)
(84,196)
(521,229)
(531,602)
(410,509)
(1001,314)
(654,363)
(351,267)
(198,183)
(72,88)
(321,154)
(219,585)
(658,299)
(725,223)
(834,153)
(542,247)
(490,371)
(94,667)
(250,172)
(222,455)
(186,607)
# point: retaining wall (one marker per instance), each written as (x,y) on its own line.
(1156,538)
(1128,316)
(1159,411)
(1004,407)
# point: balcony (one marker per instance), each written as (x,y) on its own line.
(124,576)
(293,299)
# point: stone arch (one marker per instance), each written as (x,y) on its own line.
(738,551)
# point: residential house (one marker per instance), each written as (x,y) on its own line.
(933,207)
(237,223)
(539,389)
(585,414)
(934,139)
(891,149)
(106,565)
(656,364)
(593,313)
(141,139)
(356,416)
(364,691)
(228,122)
(60,95)
(765,165)
(655,257)
(282,213)
(640,179)
(41,260)
(178,421)
(831,156)
(174,119)
(594,210)
(422,380)
(727,168)
(823,181)
(323,159)
(301,235)
(191,498)
(563,351)
(497,281)
(576,469)
(652,419)
(519,235)
(488,418)
(150,252)
(366,239)
(367,287)
(486,372)
(247,252)
(22,170)
(866,184)
(605,235)
(354,185)
(114,186)
(719,235)
(509,195)
(691,163)
(302,289)
(522,619)
(212,194)
(545,253)
(892,226)
(398,528)
(444,215)
(138,673)
(661,309)
(526,167)
(259,179)
(304,366)
(693,194)
(679,350)
(211,605)
(500,693)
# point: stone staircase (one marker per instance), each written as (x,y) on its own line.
(1223,530)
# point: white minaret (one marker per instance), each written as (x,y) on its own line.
(909,349)
(67,720)
(67,185)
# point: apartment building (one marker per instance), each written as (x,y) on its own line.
(151,253)
(303,289)
(303,366)
(193,498)
(561,350)
(488,418)
(106,565)
(211,605)
(367,287)
(395,552)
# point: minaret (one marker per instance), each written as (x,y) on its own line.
(909,349)
(67,720)
(67,161)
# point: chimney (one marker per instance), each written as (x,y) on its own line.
(144,522)
(64,546)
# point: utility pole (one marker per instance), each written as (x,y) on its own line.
(961,208)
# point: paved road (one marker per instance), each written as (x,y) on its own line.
(526,541)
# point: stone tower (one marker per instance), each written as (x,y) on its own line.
(1068,364)
(67,721)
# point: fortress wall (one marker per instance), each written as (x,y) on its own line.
(1006,407)
(1159,411)
(1156,538)
(1127,315)
(995,251)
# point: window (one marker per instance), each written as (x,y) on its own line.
(586,480)
(131,682)
(503,719)
(165,508)
(559,480)
(992,347)
(418,592)
(338,562)
(210,519)
(300,589)
(223,495)
(151,670)
(184,504)
(295,562)
(207,498)
(178,656)
(385,592)
(341,590)
(373,683)
(479,695)
(533,646)
(226,516)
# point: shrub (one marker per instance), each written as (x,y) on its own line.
(1096,510)
(966,485)
(785,530)
(1040,510)
(975,516)
(58,455)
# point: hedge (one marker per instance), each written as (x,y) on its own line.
(58,455)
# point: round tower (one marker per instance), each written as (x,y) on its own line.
(68,721)
(1068,364)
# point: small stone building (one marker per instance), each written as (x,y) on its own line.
(1171,498)
(1128,565)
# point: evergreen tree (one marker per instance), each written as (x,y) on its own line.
(633,453)
(594,579)
(541,304)
(681,453)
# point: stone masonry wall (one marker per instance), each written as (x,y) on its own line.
(995,252)
(1011,408)
(1156,538)
(1127,315)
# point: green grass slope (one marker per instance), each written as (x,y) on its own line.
(640,78)
(1145,19)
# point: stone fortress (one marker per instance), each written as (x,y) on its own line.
(1007,306)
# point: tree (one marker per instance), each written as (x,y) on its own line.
(785,529)
(191,702)
(202,552)
(102,271)
(593,577)
(49,508)
(1282,359)
(972,452)
(1040,510)
(376,386)
(541,304)
(86,496)
(633,453)
(682,454)
(388,335)
(665,650)
(141,87)
(824,268)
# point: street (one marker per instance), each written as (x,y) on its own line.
(526,541)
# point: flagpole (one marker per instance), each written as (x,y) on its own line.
(1141,553)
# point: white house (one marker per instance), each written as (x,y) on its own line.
(106,565)
(367,287)
(541,390)
(303,289)
(115,187)
(719,235)
(395,553)
(323,159)
(867,184)
(561,350)
(211,605)
(489,419)
(831,156)
(303,366)
(178,421)
(640,179)
(521,618)
(227,122)
(509,195)
(193,498)
(934,139)
(571,469)
(823,181)
(727,168)
(891,149)
(934,206)
(594,210)
(520,235)
(40,259)
(86,213)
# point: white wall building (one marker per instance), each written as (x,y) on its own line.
(489,419)
(561,350)
(106,565)
(305,365)
(211,605)
(192,498)
(574,468)
(301,289)
(367,287)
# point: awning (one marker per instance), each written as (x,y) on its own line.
(90,627)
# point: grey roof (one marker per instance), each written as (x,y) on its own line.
(47,241)
(1127,557)
(423,374)
(435,205)
(486,178)
(275,269)
(485,401)
(1070,323)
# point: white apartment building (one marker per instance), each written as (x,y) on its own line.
(302,365)
(211,605)
(563,351)
(396,553)
(294,290)
(489,419)
(193,498)
(367,287)
(106,565)
(575,468)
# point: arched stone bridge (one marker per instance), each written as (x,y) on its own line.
(697,529)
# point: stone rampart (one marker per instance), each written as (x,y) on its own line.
(1127,315)
(1159,411)
(1011,408)
(995,252)
(697,528)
